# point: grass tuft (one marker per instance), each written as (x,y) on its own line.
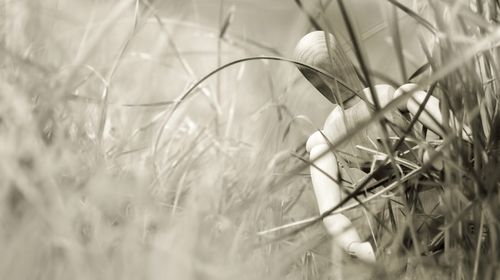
(123,157)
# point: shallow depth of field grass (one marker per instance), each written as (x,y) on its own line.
(121,158)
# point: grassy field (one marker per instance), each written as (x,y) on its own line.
(133,148)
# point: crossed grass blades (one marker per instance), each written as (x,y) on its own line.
(102,180)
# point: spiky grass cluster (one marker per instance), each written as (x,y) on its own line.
(447,225)
(121,160)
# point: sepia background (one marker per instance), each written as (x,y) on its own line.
(104,174)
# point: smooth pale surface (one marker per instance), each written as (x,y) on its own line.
(321,50)
(363,251)
(347,238)
(339,123)
(326,190)
(341,228)
(431,116)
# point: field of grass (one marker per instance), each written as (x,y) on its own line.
(132,147)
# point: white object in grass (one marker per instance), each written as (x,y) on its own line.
(320,50)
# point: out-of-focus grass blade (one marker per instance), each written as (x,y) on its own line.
(152,104)
(112,71)
(191,89)
(414,15)
(419,71)
(359,53)
(227,22)
(396,39)
(294,120)
(311,19)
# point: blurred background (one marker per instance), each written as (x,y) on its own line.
(105,176)
(182,44)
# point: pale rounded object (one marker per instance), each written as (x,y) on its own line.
(431,116)
(385,94)
(326,191)
(362,251)
(340,123)
(314,140)
(342,231)
(402,89)
(346,237)
(314,50)
(437,164)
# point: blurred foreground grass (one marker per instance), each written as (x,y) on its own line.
(102,179)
